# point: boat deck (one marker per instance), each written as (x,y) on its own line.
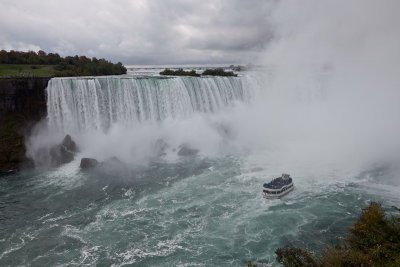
(278,183)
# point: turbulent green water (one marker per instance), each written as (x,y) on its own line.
(192,212)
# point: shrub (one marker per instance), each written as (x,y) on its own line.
(179,72)
(374,240)
(218,72)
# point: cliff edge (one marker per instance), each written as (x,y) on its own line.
(22,104)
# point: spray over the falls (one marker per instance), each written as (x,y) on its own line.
(130,117)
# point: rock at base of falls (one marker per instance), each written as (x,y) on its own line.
(88,163)
(185,150)
(69,144)
(63,152)
(112,163)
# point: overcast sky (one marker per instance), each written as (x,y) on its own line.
(140,31)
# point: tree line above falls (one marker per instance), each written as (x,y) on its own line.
(207,72)
(53,64)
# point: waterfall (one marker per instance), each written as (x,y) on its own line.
(76,105)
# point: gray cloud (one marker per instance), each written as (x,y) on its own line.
(139,31)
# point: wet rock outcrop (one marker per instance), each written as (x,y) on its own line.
(64,152)
(185,150)
(88,163)
(111,165)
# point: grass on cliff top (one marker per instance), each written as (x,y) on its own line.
(23,70)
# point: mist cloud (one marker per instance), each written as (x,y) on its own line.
(334,89)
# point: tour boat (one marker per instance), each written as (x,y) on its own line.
(278,187)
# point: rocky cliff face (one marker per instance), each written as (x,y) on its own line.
(22,104)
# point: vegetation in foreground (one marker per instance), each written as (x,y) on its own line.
(17,64)
(374,240)
(207,72)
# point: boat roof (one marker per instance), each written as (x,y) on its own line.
(278,183)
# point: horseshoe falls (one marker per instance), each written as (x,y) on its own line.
(77,105)
(182,161)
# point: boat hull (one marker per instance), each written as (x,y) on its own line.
(277,196)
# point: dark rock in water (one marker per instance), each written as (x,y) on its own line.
(112,163)
(60,155)
(88,163)
(160,146)
(185,150)
(64,152)
(69,144)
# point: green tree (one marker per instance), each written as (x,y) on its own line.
(374,240)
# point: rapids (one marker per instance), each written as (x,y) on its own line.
(195,212)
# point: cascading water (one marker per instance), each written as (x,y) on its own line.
(76,105)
